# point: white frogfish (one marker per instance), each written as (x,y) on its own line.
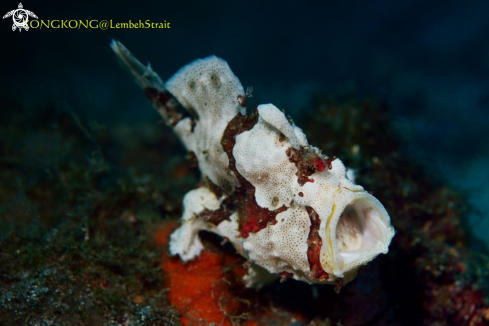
(287,208)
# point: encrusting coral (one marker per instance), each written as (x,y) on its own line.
(320,228)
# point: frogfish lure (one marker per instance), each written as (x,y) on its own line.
(286,207)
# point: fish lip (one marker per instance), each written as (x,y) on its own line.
(343,262)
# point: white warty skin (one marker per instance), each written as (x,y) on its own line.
(354,226)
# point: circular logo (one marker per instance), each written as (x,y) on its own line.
(20,17)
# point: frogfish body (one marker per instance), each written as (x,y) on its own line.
(286,207)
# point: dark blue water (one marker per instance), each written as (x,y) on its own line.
(428,59)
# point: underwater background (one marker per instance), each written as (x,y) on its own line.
(71,119)
(428,59)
